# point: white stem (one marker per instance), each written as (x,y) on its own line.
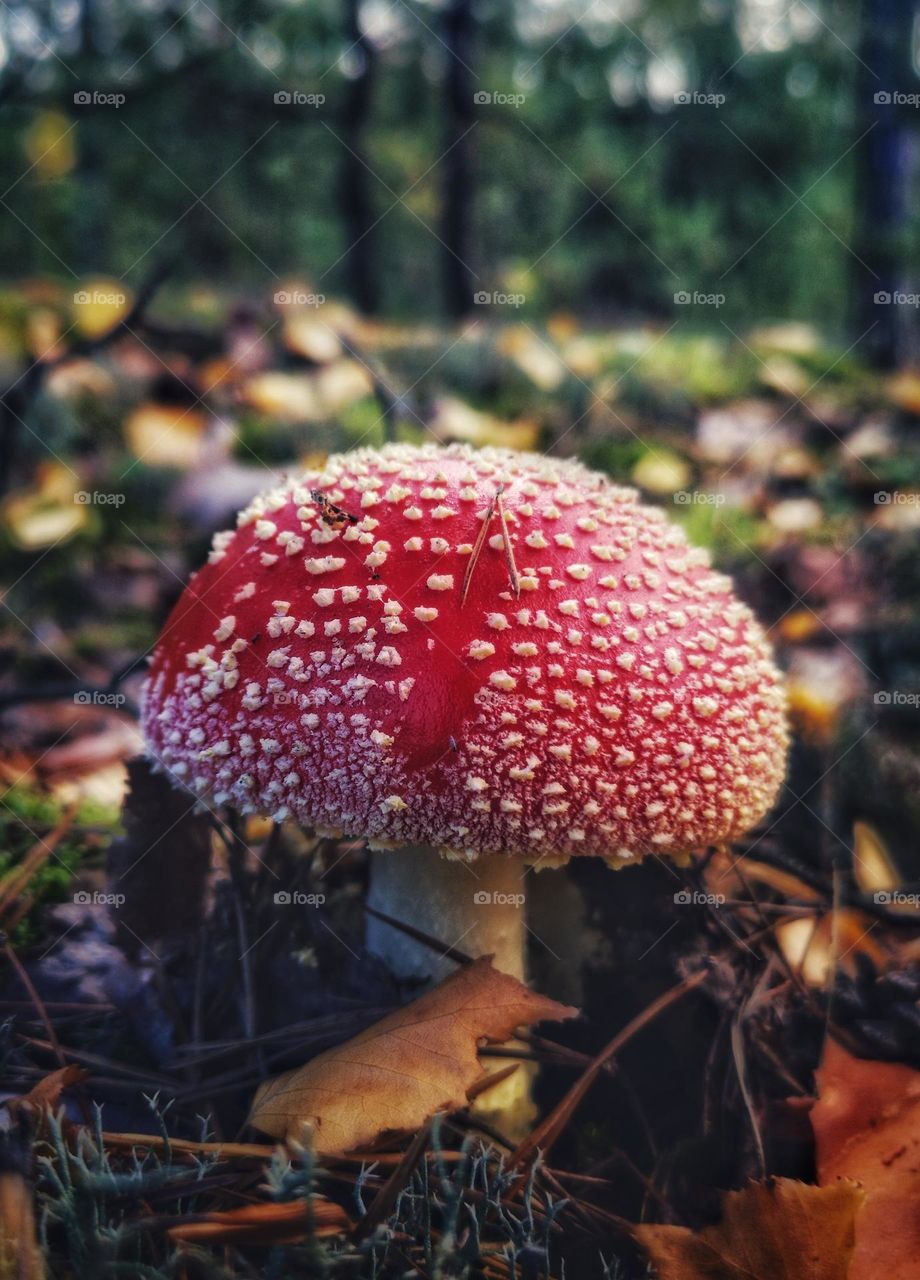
(475,907)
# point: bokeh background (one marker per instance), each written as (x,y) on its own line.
(677,240)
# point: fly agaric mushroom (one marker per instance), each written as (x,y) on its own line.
(496,657)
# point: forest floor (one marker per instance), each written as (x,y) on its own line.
(743,1079)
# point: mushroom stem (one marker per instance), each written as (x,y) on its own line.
(477,907)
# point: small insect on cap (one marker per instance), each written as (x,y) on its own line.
(485,651)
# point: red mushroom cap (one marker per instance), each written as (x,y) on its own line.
(485,651)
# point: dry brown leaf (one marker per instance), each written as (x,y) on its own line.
(867,1128)
(46,1093)
(782,1230)
(418,1060)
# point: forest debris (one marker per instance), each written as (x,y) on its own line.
(21,1256)
(867,1128)
(418,1060)
(266,1223)
(817,945)
(779,1230)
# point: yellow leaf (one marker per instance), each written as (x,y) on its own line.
(454,420)
(311,337)
(46,513)
(49,143)
(161,435)
(418,1060)
(534,356)
(782,1230)
(872,864)
(98,306)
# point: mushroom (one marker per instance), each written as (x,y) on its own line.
(475,661)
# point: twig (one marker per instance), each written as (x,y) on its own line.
(477,547)
(36,1001)
(550,1129)
(450,953)
(509,549)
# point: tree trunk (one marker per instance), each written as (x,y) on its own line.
(457,186)
(886,165)
(354,199)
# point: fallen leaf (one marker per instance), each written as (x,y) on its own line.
(867,1128)
(48,512)
(165,435)
(418,1060)
(454,420)
(781,1230)
(46,1093)
(873,865)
